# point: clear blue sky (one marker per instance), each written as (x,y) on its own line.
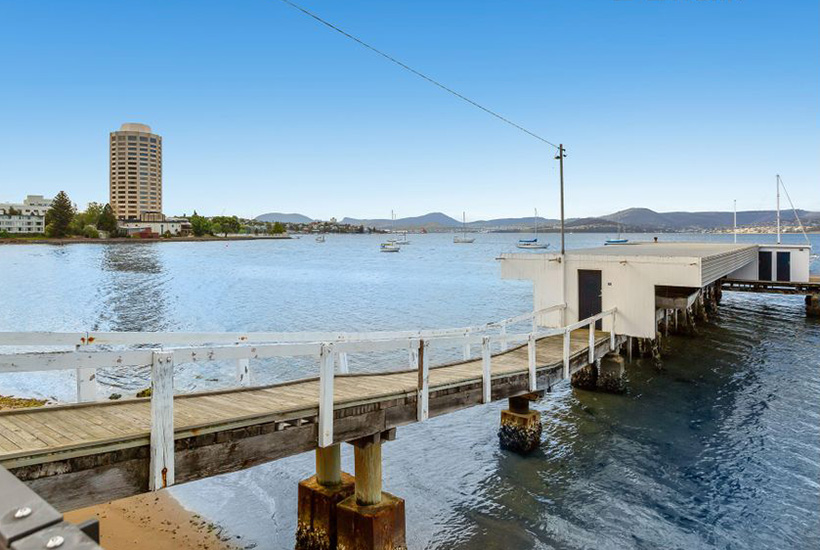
(667,104)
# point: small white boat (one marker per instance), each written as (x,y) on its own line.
(392,245)
(533,243)
(403,241)
(619,240)
(463,238)
(320,239)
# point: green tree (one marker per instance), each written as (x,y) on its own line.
(107,221)
(277,228)
(225,224)
(13,211)
(59,216)
(200,225)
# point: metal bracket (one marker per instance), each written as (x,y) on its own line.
(28,522)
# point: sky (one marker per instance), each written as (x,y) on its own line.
(665,104)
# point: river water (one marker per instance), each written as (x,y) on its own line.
(720,449)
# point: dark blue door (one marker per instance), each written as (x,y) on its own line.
(764,266)
(589,295)
(784,267)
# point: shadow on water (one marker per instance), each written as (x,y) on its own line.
(133,289)
(719,449)
(134,297)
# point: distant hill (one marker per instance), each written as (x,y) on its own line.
(675,221)
(631,219)
(510,223)
(283,218)
(432,220)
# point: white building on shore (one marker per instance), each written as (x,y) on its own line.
(25,217)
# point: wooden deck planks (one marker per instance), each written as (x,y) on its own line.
(36,430)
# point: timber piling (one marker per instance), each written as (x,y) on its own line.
(370,519)
(520,429)
(318,497)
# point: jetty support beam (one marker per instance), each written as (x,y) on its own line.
(318,497)
(520,429)
(370,518)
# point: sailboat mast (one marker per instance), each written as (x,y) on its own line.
(536,224)
(778,208)
(735,222)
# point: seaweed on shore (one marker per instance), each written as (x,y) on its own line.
(11,402)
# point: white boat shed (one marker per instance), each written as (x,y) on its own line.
(641,278)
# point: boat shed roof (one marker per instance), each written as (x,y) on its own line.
(664,249)
(717,259)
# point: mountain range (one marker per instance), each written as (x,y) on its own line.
(631,219)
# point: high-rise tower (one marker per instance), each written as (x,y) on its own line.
(135,178)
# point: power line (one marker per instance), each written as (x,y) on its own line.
(415,72)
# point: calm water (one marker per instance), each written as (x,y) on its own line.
(720,450)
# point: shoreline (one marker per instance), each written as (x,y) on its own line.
(129,523)
(124,240)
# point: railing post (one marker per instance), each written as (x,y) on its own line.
(612,333)
(592,342)
(566,354)
(243,372)
(486,358)
(86,380)
(161,468)
(504,346)
(413,354)
(423,397)
(466,351)
(86,384)
(344,367)
(531,361)
(326,361)
(534,322)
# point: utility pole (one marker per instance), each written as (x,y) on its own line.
(560,156)
(735,220)
(778,208)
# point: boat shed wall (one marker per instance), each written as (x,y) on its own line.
(799,262)
(719,265)
(627,282)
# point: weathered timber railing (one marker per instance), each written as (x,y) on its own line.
(87,371)
(242,348)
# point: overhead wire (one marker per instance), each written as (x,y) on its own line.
(803,229)
(415,72)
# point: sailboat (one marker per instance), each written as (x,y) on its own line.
(532,243)
(320,238)
(463,238)
(619,240)
(403,241)
(391,245)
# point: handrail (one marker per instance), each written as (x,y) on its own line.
(201,338)
(86,360)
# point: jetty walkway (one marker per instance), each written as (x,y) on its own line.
(78,454)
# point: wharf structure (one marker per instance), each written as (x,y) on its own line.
(649,281)
(590,305)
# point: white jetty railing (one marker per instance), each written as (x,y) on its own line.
(331,349)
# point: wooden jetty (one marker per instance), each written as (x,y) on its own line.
(78,454)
